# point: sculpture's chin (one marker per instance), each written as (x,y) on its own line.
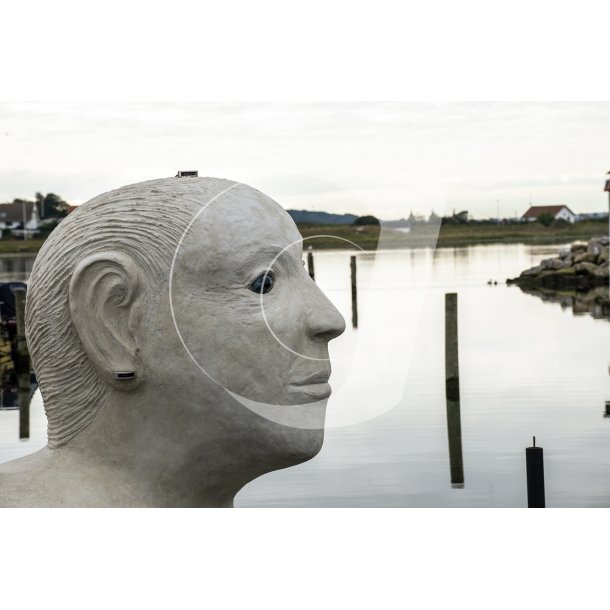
(312,443)
(302,445)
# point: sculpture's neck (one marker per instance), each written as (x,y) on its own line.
(84,478)
(132,459)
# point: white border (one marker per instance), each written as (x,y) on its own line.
(534,50)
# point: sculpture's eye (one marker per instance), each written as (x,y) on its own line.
(262,284)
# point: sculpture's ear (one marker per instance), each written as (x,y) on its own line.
(106,307)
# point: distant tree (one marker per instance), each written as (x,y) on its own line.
(366,220)
(545,219)
(45,229)
(49,205)
(433,217)
(461,217)
(53,206)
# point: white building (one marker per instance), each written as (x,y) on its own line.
(558,212)
(12,216)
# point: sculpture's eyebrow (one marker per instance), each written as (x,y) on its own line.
(269,251)
(265,256)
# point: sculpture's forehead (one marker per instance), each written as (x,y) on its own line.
(244,209)
(243,223)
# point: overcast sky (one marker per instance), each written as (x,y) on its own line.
(380,158)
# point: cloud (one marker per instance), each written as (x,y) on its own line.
(368,157)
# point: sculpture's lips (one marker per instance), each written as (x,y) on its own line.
(315,386)
(321,377)
(318,391)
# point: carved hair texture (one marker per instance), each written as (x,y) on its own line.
(143,220)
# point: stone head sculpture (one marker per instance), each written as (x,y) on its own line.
(180,347)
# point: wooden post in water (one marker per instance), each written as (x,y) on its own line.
(22,365)
(352,265)
(452,391)
(534,464)
(452,369)
(310,268)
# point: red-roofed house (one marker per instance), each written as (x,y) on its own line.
(557,212)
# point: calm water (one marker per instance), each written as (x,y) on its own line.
(527,367)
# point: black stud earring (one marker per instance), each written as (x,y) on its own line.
(124,374)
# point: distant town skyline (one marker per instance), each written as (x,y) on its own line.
(386,159)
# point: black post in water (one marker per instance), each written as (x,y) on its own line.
(452,369)
(22,365)
(352,265)
(607,411)
(310,269)
(452,391)
(535,476)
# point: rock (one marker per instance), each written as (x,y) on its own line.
(554,264)
(578,246)
(585,257)
(585,268)
(594,248)
(533,271)
(602,270)
(604,240)
(566,271)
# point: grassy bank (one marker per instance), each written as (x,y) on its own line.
(20,246)
(367,237)
(450,235)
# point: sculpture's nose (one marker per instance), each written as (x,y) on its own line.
(323,319)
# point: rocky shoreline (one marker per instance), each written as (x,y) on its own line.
(582,267)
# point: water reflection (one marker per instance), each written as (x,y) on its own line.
(594,302)
(17,381)
(525,367)
(16,267)
(454,430)
(8,379)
